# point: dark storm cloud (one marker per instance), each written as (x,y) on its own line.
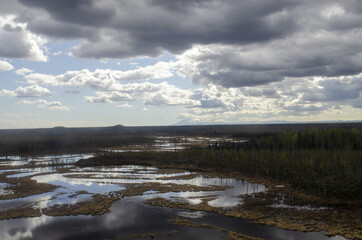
(244,43)
(15,42)
(136,28)
(84,12)
(61,30)
(358,103)
(178,5)
(334,90)
(301,55)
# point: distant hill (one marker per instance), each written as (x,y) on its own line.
(178,130)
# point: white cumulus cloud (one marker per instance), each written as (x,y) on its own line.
(5,66)
(54,105)
(23,71)
(27,92)
(102,78)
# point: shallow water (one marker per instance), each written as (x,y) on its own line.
(42,160)
(134,218)
(165,143)
(107,179)
(129,216)
(3,190)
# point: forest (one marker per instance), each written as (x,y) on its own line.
(327,163)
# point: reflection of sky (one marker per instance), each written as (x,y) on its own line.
(225,201)
(12,161)
(134,218)
(44,200)
(128,168)
(67,187)
(306,207)
(30,171)
(49,159)
(128,216)
(4,191)
(60,159)
(191,214)
(110,178)
(164,143)
(75,185)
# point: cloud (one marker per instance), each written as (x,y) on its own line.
(171,97)
(54,105)
(108,97)
(102,78)
(27,92)
(23,71)
(357,103)
(159,25)
(251,59)
(227,43)
(5,66)
(217,97)
(287,99)
(161,94)
(335,90)
(258,43)
(296,96)
(18,42)
(326,55)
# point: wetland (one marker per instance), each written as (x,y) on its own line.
(170,187)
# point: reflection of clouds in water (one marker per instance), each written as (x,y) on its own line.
(75,184)
(3,190)
(12,163)
(44,200)
(20,228)
(125,218)
(61,159)
(194,215)
(130,218)
(305,207)
(225,201)
(128,168)
(29,172)
(139,175)
(109,179)
(294,235)
(67,187)
(163,143)
(35,200)
(50,159)
(125,215)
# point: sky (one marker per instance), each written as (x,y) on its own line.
(159,62)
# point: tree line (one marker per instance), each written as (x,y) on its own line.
(323,162)
(38,144)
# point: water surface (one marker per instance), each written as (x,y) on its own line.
(128,216)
